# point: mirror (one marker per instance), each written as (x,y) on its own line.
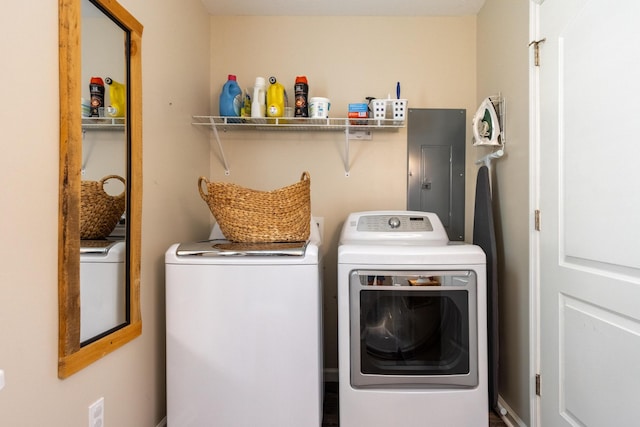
(100,181)
(103,193)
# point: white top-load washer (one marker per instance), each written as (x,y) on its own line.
(103,295)
(411,324)
(244,334)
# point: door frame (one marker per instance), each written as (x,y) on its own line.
(534,203)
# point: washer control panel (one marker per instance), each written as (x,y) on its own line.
(397,223)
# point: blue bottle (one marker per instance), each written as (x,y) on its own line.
(231,98)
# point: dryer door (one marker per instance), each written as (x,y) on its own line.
(413,328)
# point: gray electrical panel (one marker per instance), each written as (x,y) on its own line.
(436,161)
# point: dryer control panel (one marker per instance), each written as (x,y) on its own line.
(394,227)
(398,223)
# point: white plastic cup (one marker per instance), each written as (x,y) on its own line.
(319,108)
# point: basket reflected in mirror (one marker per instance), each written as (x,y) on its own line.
(100,211)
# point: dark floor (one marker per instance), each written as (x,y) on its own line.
(330,413)
(331,418)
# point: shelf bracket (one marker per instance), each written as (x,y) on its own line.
(346,150)
(227,172)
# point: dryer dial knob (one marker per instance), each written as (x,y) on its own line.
(394,222)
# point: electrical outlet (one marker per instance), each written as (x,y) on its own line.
(96,413)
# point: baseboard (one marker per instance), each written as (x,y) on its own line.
(163,422)
(331,375)
(508,415)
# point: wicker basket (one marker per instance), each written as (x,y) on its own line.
(252,216)
(99,211)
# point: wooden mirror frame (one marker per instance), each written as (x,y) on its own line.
(73,357)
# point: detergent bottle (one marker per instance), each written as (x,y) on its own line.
(301,89)
(96,89)
(118,98)
(259,100)
(275,99)
(230,98)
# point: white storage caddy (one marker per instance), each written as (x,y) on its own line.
(395,109)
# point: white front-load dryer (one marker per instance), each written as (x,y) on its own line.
(244,334)
(411,324)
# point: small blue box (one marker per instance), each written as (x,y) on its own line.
(358,107)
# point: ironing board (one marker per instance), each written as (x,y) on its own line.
(484,236)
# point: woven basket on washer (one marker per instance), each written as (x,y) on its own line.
(252,216)
(99,211)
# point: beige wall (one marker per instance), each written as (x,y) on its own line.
(186,52)
(503,66)
(345,59)
(175,78)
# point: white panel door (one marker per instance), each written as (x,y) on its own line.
(590,213)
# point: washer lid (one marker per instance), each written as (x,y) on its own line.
(226,248)
(394,227)
(102,251)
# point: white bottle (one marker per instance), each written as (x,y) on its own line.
(259,101)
